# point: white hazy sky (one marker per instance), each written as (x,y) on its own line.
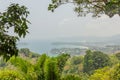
(63,22)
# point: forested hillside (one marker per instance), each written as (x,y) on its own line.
(23,64)
(94,65)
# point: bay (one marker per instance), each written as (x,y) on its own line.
(44,46)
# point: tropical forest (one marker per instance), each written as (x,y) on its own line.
(60,40)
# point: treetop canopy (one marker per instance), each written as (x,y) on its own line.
(96,7)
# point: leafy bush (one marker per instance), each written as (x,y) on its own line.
(116,73)
(101,74)
(118,55)
(76,60)
(71,77)
(94,60)
(51,70)
(11,75)
(24,66)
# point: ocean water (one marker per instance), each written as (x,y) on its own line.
(37,46)
(44,46)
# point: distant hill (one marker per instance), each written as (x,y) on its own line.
(112,39)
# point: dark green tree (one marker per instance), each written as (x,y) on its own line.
(14,17)
(51,70)
(11,75)
(39,68)
(61,60)
(95,60)
(100,59)
(25,67)
(71,77)
(118,55)
(25,51)
(76,60)
(116,73)
(88,62)
(96,7)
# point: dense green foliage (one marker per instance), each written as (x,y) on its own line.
(14,17)
(61,60)
(51,70)
(39,68)
(11,75)
(27,53)
(95,60)
(95,65)
(117,55)
(100,66)
(71,77)
(101,74)
(24,66)
(96,7)
(76,60)
(116,73)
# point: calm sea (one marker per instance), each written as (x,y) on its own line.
(43,46)
(37,46)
